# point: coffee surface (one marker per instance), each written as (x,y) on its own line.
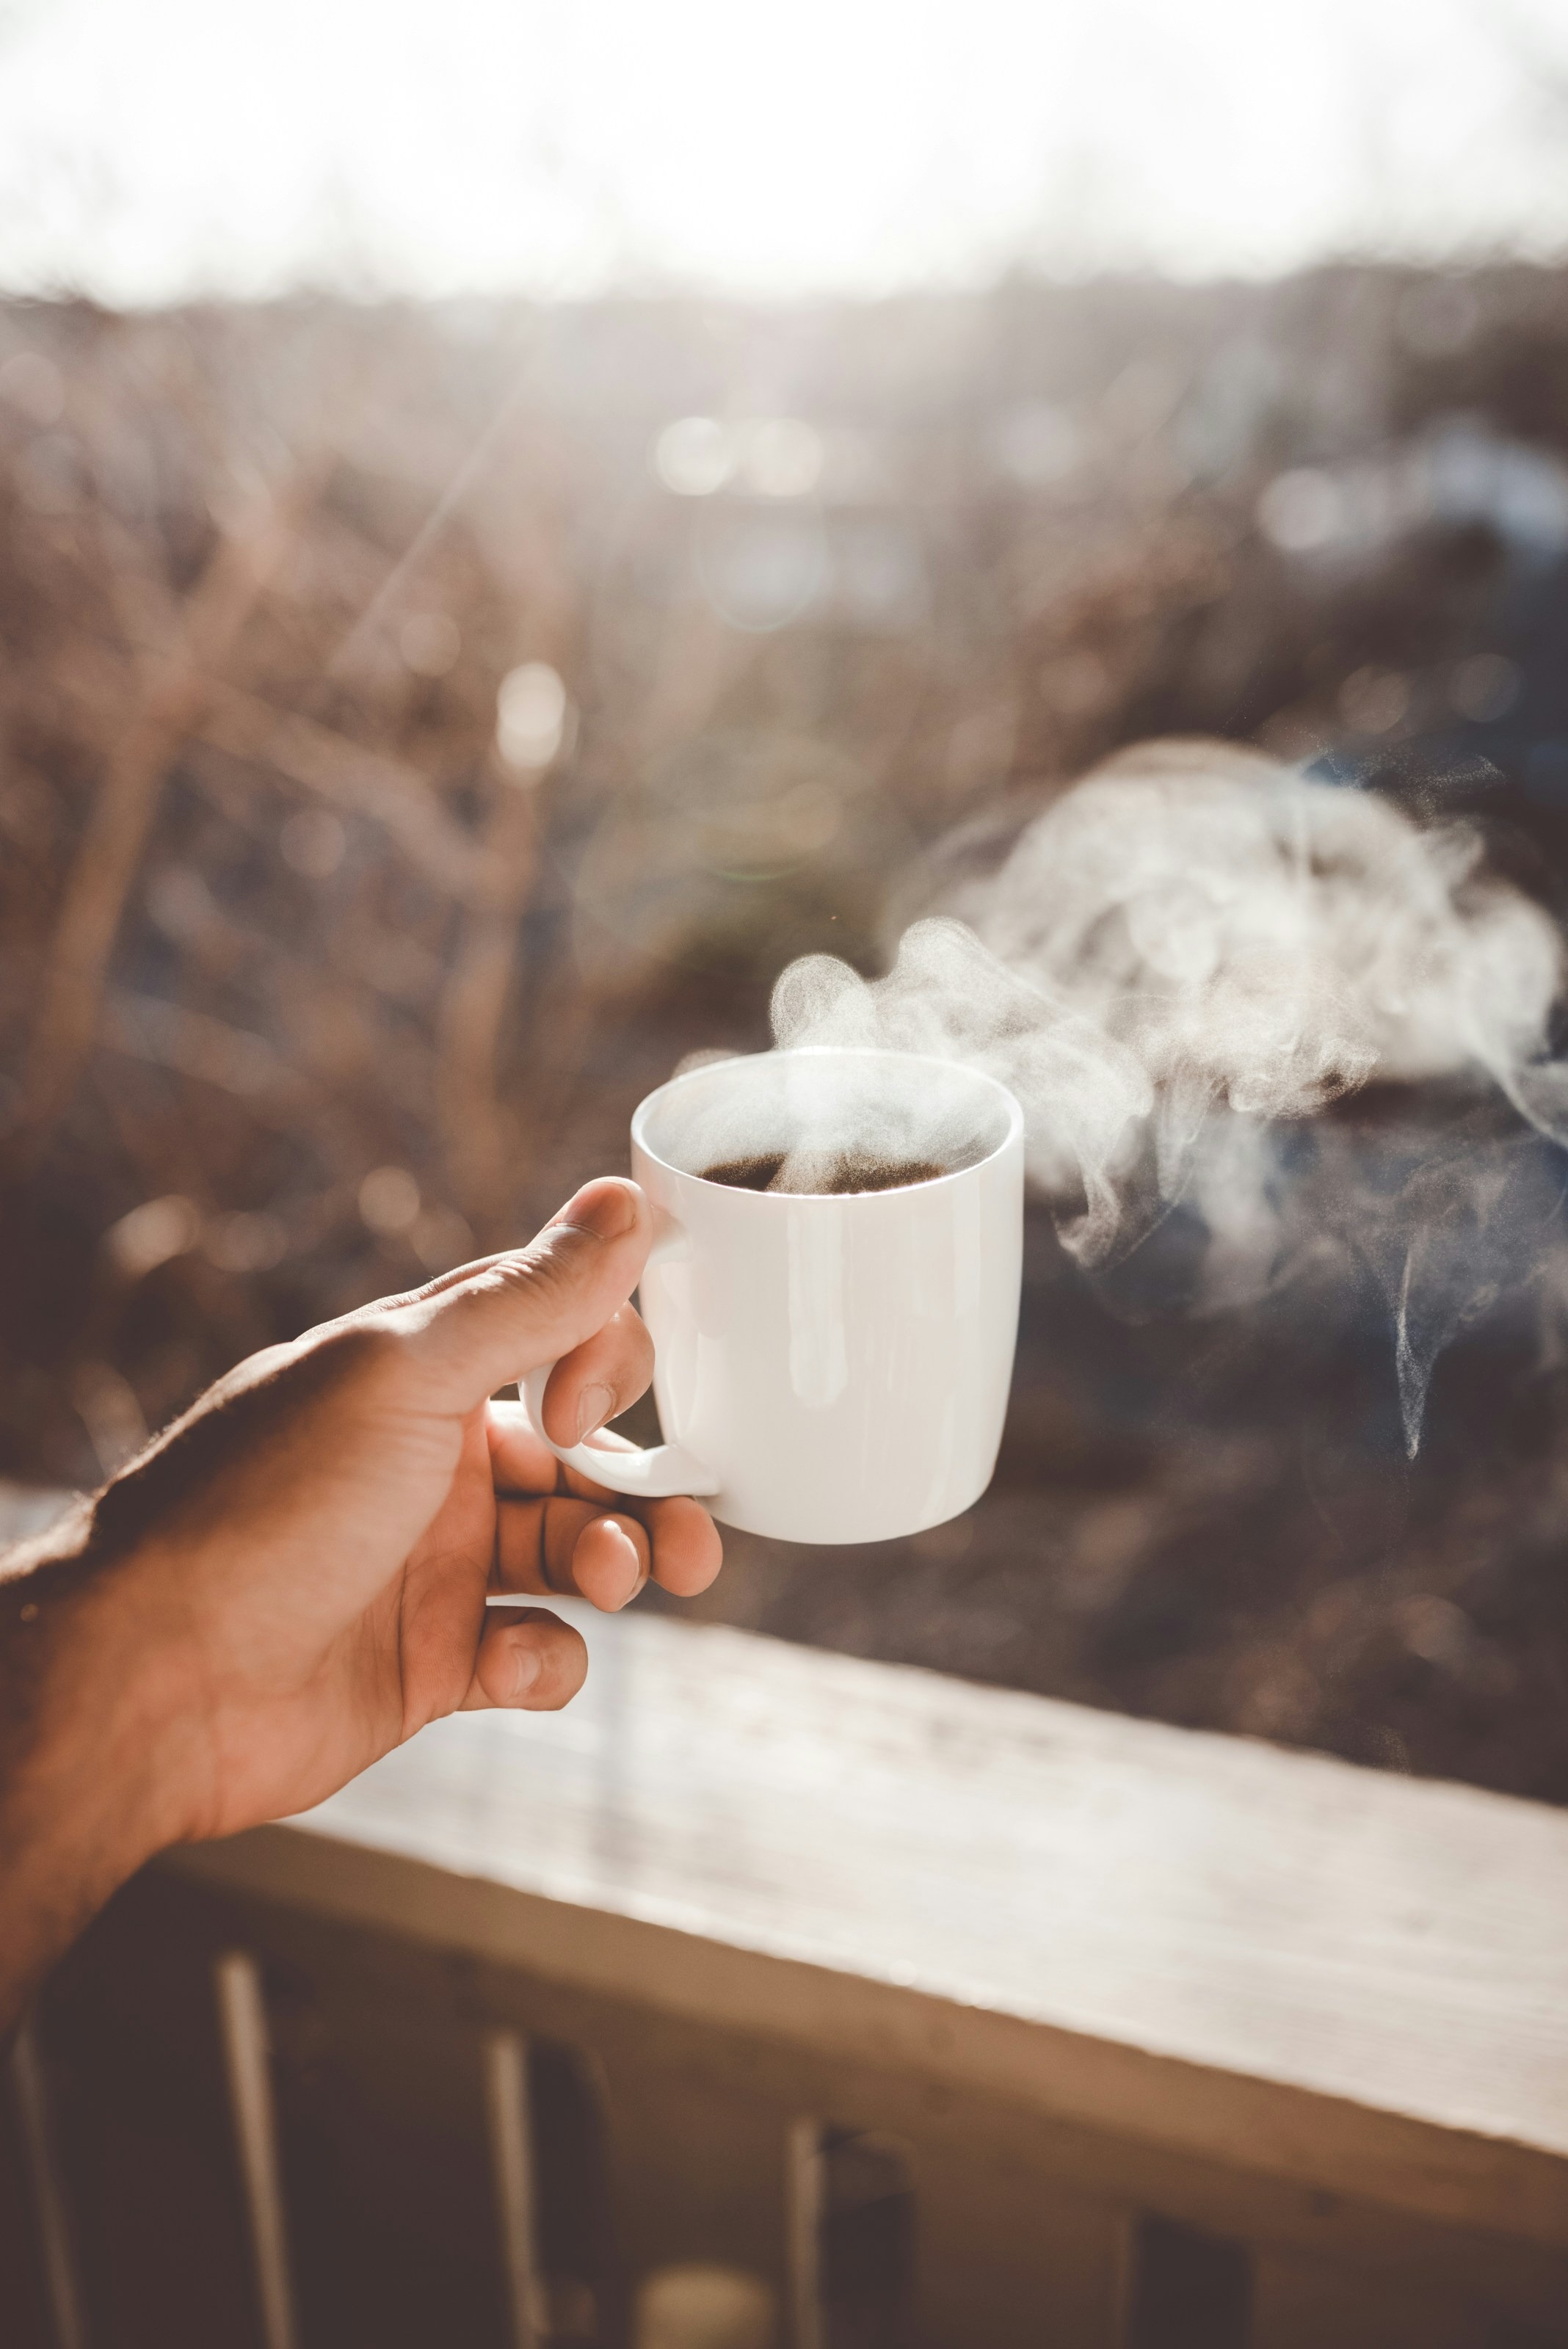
(849,1173)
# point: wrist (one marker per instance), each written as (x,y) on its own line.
(84,1740)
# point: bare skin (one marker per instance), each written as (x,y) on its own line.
(292,1579)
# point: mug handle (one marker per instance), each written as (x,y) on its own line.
(659,1472)
(656,1474)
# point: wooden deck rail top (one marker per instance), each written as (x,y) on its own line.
(1339,1977)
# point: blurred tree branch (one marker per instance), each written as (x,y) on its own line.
(476,1136)
(324,762)
(175,680)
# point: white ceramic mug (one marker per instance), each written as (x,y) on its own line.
(828,1368)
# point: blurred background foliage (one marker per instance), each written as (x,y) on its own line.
(422,726)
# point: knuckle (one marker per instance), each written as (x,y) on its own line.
(565,1521)
(356,1354)
(537,1280)
(558,1258)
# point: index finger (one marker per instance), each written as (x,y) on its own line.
(522,1462)
(497,1320)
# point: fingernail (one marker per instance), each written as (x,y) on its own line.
(595,1405)
(610,1211)
(527,1666)
(623,1528)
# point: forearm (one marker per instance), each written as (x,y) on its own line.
(78,1792)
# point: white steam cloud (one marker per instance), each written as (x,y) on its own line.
(1182,961)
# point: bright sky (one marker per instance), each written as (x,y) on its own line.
(154,148)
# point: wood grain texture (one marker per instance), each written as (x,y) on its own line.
(1284,1962)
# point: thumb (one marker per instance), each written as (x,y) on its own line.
(506,1316)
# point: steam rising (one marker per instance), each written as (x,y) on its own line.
(1187,958)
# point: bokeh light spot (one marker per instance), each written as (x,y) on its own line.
(1485,687)
(693,456)
(151,1234)
(531,713)
(1374,700)
(388,1201)
(1302,510)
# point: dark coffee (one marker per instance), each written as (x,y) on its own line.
(851,1172)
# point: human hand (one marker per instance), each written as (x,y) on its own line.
(293,1578)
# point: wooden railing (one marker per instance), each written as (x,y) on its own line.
(947,2016)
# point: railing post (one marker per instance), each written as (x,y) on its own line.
(57,2249)
(511,2165)
(1182,2285)
(242,2022)
(803,2189)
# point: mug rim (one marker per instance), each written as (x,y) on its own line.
(650,1102)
